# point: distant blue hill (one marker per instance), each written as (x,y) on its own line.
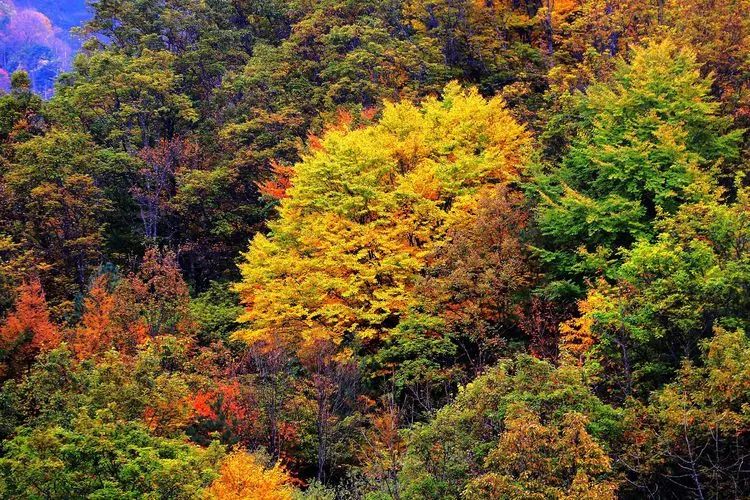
(63,13)
(35,36)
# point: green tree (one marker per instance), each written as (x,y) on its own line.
(668,295)
(124,102)
(514,431)
(102,458)
(647,136)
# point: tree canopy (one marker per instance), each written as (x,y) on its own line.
(379,249)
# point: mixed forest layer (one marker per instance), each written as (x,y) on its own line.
(380,249)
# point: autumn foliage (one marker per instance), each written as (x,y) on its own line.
(386,188)
(28,330)
(403,249)
(243,476)
(103,325)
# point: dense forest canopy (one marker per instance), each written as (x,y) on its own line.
(405,249)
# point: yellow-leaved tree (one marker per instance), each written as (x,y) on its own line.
(363,212)
(366,206)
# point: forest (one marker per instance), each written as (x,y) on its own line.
(380,249)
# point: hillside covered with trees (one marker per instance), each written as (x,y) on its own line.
(380,249)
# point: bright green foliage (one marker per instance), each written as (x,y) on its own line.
(510,433)
(101,458)
(647,136)
(103,429)
(365,209)
(670,294)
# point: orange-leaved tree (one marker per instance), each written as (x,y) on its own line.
(244,476)
(106,322)
(28,330)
